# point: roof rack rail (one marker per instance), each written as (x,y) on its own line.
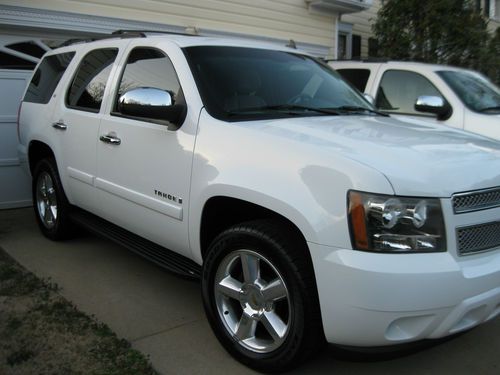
(363,60)
(143,33)
(122,33)
(113,35)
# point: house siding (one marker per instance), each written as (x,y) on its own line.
(280,19)
(362,24)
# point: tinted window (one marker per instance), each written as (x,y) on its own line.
(87,89)
(475,91)
(46,77)
(247,83)
(399,90)
(149,68)
(358,77)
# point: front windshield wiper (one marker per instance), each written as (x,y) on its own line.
(290,109)
(357,109)
(493,108)
(296,107)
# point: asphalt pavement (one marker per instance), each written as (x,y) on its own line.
(162,314)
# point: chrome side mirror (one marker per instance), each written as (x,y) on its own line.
(150,103)
(435,105)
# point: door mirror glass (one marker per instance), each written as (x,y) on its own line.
(150,103)
(433,104)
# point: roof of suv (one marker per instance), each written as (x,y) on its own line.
(194,40)
(395,64)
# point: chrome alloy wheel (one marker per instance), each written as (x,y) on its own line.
(253,301)
(46,200)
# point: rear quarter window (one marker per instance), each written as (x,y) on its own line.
(46,77)
(357,77)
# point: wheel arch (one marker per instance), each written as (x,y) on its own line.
(37,151)
(220,212)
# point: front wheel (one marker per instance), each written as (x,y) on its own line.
(260,295)
(50,203)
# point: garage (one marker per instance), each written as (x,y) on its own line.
(18,57)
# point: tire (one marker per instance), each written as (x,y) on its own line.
(50,203)
(260,296)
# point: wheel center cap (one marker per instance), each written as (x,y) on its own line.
(252,296)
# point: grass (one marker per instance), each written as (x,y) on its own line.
(42,333)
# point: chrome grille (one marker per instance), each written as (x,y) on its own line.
(478,238)
(476,200)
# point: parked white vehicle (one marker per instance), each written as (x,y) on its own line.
(461,98)
(308,216)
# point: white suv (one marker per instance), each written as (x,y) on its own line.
(307,214)
(456,97)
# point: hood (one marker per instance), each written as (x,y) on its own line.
(418,159)
(484,124)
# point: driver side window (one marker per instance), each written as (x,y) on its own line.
(148,68)
(399,90)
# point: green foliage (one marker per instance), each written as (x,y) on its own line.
(437,31)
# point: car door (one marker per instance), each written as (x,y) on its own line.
(144,164)
(77,118)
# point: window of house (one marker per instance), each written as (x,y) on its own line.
(29,48)
(342,47)
(89,83)
(344,41)
(46,77)
(148,68)
(399,90)
(356,47)
(372,47)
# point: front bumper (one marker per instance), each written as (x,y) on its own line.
(372,299)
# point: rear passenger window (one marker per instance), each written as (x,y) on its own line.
(87,89)
(357,77)
(46,77)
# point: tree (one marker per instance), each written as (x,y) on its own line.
(436,31)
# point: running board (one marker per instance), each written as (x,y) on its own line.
(163,257)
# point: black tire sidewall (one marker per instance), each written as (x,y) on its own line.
(289,353)
(61,229)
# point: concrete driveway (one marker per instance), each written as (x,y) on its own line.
(162,315)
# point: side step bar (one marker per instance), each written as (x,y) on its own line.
(163,257)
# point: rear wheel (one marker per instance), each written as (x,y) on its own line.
(50,203)
(260,296)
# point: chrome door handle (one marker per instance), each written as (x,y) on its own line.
(59,125)
(110,139)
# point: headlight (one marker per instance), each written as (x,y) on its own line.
(385,223)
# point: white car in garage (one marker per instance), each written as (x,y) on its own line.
(456,97)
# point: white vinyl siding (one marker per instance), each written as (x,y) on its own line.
(285,19)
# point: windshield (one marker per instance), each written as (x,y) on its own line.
(239,83)
(474,90)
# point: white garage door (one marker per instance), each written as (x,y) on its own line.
(14,182)
(18,57)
